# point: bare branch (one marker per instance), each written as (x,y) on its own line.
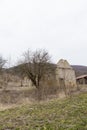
(36,65)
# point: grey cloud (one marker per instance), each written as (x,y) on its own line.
(57,25)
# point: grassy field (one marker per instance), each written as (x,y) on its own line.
(57,114)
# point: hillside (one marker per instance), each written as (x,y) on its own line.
(80,70)
(57,114)
(18,70)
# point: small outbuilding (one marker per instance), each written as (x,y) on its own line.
(82,79)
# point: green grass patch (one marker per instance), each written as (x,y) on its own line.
(64,114)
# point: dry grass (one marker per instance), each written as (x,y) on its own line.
(65,114)
(17,96)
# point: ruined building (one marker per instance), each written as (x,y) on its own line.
(65,75)
(62,77)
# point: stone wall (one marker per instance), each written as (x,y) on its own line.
(65,75)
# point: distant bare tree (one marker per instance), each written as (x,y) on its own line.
(35,65)
(2,78)
(2,63)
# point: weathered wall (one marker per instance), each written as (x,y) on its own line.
(65,75)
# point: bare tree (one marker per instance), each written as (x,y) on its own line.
(36,65)
(2,63)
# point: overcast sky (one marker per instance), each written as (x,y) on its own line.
(60,26)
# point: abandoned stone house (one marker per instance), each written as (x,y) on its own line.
(82,79)
(65,75)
